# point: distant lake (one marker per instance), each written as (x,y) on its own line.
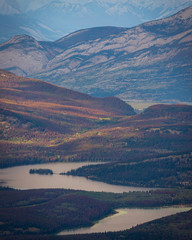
(127,218)
(19,178)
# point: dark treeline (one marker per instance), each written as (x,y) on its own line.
(174,227)
(48,211)
(41,171)
(175,171)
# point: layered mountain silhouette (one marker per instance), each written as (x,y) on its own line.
(52,19)
(41,122)
(150,62)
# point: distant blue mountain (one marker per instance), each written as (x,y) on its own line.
(149,62)
(52,19)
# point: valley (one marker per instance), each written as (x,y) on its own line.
(43,123)
(95,124)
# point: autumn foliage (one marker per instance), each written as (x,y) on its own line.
(41,122)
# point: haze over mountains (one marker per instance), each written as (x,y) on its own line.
(52,19)
(150,62)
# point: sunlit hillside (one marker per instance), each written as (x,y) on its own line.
(36,115)
(41,122)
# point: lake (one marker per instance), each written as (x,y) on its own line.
(19,178)
(126,218)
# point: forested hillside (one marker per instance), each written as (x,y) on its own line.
(41,122)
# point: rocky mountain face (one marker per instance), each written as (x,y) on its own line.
(49,19)
(150,62)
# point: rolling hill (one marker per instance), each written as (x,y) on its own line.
(41,122)
(150,62)
(39,115)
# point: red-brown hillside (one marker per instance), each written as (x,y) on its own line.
(176,111)
(39,114)
(25,89)
(43,122)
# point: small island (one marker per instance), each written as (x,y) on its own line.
(41,171)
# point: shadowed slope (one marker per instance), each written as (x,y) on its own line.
(36,114)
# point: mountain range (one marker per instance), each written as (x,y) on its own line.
(150,62)
(41,122)
(52,19)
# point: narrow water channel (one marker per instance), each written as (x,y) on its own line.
(126,218)
(19,178)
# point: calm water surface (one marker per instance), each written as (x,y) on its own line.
(127,218)
(19,178)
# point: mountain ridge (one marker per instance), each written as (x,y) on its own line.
(150,62)
(38,86)
(48,20)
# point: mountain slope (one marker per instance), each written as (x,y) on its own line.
(25,90)
(49,19)
(154,149)
(150,62)
(41,122)
(36,116)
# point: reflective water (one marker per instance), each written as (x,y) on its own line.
(19,178)
(127,218)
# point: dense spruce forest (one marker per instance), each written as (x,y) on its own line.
(172,171)
(174,227)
